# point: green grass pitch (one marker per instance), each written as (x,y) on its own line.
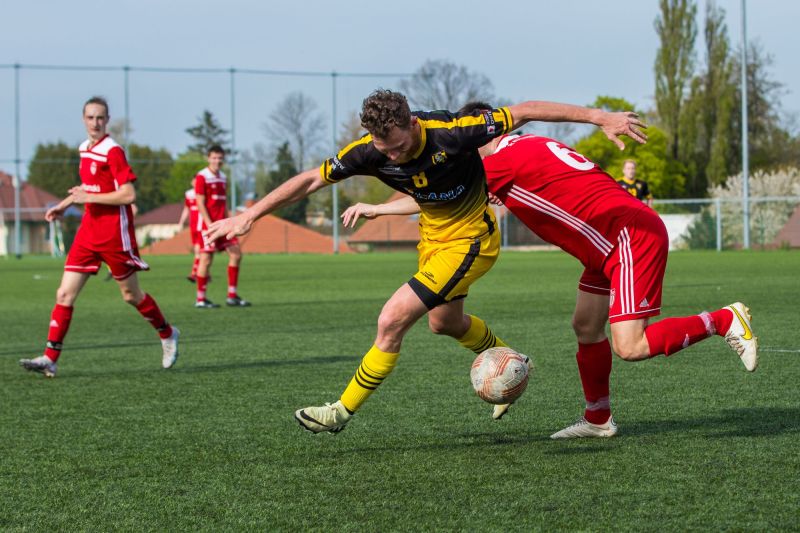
(114,442)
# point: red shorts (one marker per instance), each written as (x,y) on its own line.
(217,246)
(633,272)
(122,264)
(197,238)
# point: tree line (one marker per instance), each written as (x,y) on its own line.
(694,126)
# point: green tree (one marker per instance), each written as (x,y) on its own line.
(185,167)
(708,111)
(284,169)
(664,175)
(208,133)
(674,65)
(153,169)
(54,168)
(770,144)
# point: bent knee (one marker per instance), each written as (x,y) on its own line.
(588,331)
(630,351)
(439,327)
(65,297)
(132,298)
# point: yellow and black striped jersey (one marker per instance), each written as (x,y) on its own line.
(445,176)
(637,188)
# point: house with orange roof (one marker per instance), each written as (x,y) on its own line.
(34,229)
(269,235)
(158,224)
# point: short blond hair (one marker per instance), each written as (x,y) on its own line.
(629,161)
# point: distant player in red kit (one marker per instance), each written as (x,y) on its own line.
(191,215)
(105,235)
(571,202)
(209,187)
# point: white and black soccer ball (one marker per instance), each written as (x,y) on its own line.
(500,375)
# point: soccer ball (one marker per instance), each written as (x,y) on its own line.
(500,375)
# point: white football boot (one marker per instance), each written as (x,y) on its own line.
(169,347)
(41,364)
(583,428)
(329,417)
(740,336)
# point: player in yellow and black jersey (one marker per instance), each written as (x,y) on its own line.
(444,176)
(636,187)
(433,158)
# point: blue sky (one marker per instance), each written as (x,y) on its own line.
(568,51)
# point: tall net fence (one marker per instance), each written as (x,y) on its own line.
(692,224)
(154,106)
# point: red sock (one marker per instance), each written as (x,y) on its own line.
(59,325)
(674,334)
(194,266)
(202,283)
(594,365)
(722,320)
(233,280)
(148,308)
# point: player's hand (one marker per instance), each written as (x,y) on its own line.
(494,200)
(79,196)
(623,123)
(351,214)
(228,228)
(54,213)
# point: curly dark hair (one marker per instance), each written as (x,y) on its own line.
(471,107)
(384,109)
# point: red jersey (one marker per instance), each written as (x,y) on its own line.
(212,186)
(104,169)
(566,199)
(190,201)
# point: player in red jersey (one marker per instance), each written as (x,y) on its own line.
(209,187)
(571,202)
(105,235)
(191,215)
(432,157)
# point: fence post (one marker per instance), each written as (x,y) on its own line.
(126,126)
(17,180)
(334,188)
(234,202)
(718,207)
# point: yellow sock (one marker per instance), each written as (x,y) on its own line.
(374,368)
(479,337)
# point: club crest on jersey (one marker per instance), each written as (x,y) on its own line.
(93,168)
(439,157)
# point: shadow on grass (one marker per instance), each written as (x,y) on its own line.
(456,441)
(736,422)
(74,348)
(219,367)
(729,423)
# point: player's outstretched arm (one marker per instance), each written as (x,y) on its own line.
(401,206)
(125,195)
(57,210)
(613,124)
(291,191)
